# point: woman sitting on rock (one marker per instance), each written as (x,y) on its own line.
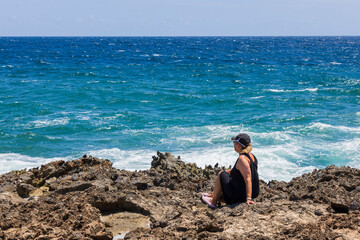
(239,184)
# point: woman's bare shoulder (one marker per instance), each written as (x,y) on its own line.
(243,161)
(245,158)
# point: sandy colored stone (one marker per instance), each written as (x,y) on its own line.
(36,193)
(123,222)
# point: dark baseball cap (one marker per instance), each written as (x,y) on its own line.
(243,139)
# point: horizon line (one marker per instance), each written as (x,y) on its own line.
(179,36)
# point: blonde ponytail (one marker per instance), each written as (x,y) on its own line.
(248,149)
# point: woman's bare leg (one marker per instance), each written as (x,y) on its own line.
(217,193)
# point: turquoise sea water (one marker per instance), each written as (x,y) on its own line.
(125,98)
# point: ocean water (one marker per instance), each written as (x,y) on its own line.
(124,98)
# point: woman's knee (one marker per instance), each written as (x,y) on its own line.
(218,176)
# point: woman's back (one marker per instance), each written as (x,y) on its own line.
(238,183)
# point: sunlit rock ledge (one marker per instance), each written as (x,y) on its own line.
(89,199)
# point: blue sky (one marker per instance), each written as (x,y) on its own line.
(179,17)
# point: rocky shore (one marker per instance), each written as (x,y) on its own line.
(89,199)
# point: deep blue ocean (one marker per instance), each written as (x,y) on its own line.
(124,98)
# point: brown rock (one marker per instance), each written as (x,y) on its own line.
(73,199)
(24,189)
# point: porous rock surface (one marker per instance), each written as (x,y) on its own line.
(67,200)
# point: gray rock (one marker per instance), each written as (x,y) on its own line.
(24,189)
(140,185)
(74,188)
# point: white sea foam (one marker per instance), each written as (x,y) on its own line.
(122,159)
(48,122)
(105,128)
(308,89)
(27,80)
(281,154)
(273,163)
(215,134)
(349,150)
(355,164)
(210,134)
(350,146)
(44,62)
(323,126)
(277,90)
(257,97)
(53,138)
(15,161)
(91,74)
(275,136)
(126,159)
(225,156)
(279,159)
(280,162)
(296,90)
(352,81)
(84,118)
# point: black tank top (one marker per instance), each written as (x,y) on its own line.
(238,182)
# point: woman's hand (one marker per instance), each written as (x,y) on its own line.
(248,202)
